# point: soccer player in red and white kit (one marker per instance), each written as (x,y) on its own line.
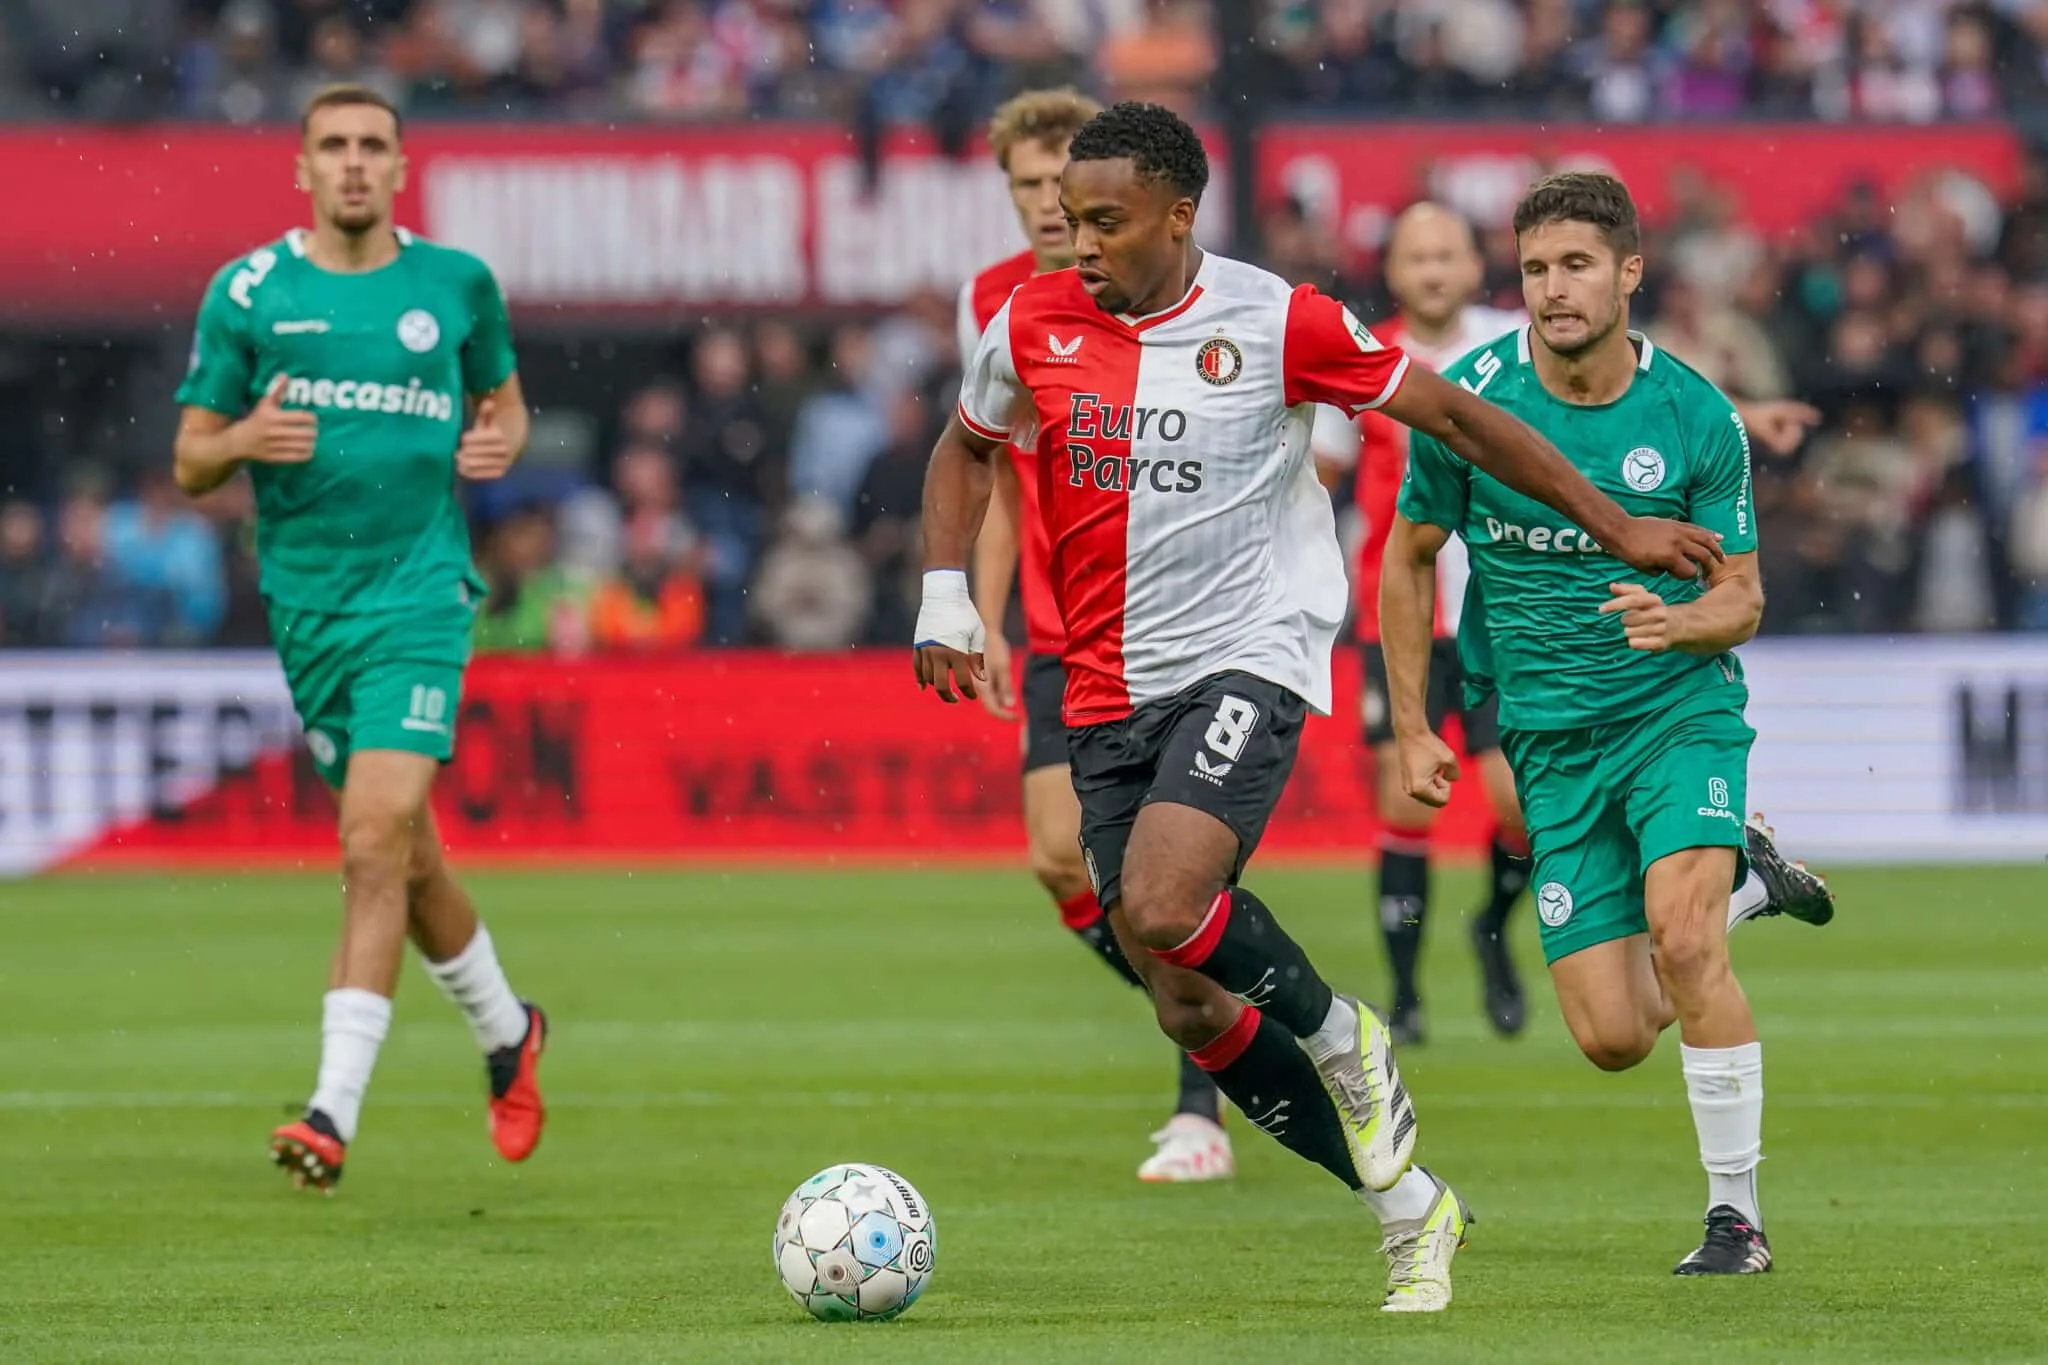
(1029,137)
(1435,272)
(1197,571)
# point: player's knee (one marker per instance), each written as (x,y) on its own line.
(376,845)
(1192,1019)
(1163,908)
(1059,868)
(1689,955)
(1615,1045)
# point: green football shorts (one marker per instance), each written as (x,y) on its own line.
(1605,802)
(381,680)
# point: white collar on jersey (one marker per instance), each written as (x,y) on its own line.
(1644,347)
(296,240)
(1203,273)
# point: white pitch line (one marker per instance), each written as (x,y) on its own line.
(51,1100)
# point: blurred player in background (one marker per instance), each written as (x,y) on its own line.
(1029,137)
(1435,272)
(1621,702)
(1197,571)
(336,364)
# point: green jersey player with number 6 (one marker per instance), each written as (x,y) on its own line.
(337,365)
(1621,700)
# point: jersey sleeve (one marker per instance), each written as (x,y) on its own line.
(1329,356)
(966,331)
(223,364)
(488,359)
(989,389)
(1333,437)
(1719,498)
(1437,487)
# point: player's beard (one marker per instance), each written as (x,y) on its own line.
(356,222)
(1594,335)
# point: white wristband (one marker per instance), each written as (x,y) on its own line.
(946,617)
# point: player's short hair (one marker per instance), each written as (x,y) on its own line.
(1157,142)
(1047,117)
(342,95)
(1583,197)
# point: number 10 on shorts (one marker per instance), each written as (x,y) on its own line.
(429,710)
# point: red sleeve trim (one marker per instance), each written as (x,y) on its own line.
(978,429)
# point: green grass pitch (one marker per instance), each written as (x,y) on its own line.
(721,1036)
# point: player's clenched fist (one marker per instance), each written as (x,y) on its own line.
(486,450)
(950,637)
(1428,767)
(1660,545)
(275,434)
(1645,619)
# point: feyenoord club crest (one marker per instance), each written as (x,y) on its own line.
(1219,361)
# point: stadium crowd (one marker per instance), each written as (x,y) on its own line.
(764,487)
(945,62)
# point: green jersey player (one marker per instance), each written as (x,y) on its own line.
(337,364)
(1621,701)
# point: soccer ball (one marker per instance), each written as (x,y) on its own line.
(855,1243)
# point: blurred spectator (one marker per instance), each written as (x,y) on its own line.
(656,600)
(782,383)
(1621,69)
(814,591)
(2027,546)
(682,69)
(105,611)
(1165,57)
(31,613)
(535,605)
(840,429)
(235,76)
(159,543)
(886,518)
(1955,591)
(1730,350)
(592,521)
(730,477)
(339,54)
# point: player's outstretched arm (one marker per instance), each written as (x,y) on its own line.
(211,446)
(950,637)
(1511,451)
(1725,615)
(995,570)
(1407,616)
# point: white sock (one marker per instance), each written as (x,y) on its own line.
(474,981)
(1411,1198)
(1339,1031)
(1748,896)
(352,1027)
(1726,1087)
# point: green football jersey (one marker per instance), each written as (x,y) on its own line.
(384,358)
(1670,446)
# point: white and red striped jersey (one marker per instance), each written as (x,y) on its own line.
(1378,446)
(1189,535)
(981,298)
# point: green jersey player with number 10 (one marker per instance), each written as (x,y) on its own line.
(337,365)
(1621,701)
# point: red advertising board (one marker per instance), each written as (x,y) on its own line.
(129,223)
(717,755)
